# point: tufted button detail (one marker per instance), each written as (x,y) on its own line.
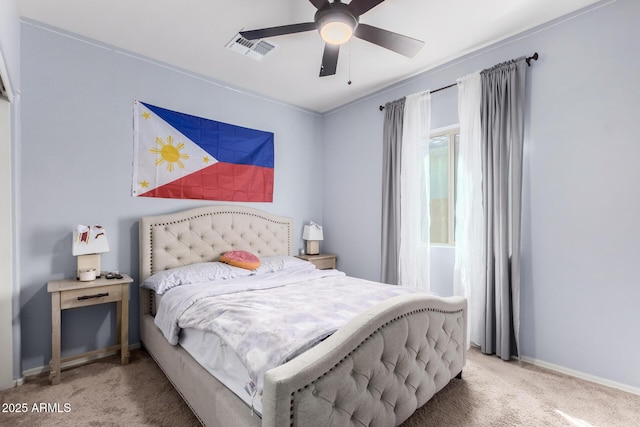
(418,365)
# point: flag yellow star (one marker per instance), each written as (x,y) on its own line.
(146,115)
(144,184)
(206,159)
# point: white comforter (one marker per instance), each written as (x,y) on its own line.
(270,318)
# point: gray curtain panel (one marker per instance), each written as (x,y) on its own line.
(502,118)
(392,146)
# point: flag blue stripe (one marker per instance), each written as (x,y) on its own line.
(227,143)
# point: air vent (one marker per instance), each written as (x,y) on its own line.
(255,49)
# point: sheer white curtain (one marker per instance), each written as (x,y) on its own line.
(469,277)
(413,260)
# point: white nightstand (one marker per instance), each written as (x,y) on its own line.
(72,293)
(321,261)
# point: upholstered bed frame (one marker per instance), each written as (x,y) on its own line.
(376,370)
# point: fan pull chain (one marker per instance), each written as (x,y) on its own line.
(349,82)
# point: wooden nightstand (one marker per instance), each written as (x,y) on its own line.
(321,261)
(72,293)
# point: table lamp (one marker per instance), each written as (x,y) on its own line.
(312,234)
(88,243)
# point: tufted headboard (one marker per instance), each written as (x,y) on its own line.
(203,234)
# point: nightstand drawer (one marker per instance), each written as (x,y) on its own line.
(325,263)
(90,296)
(321,261)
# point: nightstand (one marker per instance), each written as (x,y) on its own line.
(72,293)
(321,261)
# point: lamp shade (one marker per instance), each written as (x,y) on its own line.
(312,231)
(89,240)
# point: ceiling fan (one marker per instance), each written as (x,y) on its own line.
(337,22)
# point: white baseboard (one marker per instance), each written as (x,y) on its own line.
(72,363)
(582,375)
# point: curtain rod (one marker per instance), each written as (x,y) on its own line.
(529,58)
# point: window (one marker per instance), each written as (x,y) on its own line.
(443,162)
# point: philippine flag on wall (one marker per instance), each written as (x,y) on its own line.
(181,156)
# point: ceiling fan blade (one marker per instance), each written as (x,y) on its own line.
(278,31)
(329,59)
(398,43)
(320,4)
(361,6)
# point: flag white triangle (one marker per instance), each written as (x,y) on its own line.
(161,153)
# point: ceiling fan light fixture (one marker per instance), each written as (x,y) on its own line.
(336,32)
(337,24)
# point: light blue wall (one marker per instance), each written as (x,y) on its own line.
(581,239)
(76,152)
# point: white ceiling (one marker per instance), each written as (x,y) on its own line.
(192,35)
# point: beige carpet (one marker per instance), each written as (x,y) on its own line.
(492,393)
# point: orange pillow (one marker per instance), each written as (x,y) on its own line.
(242,259)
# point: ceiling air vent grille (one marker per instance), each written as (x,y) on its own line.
(256,49)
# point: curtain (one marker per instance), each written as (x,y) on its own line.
(502,122)
(392,144)
(405,191)
(488,207)
(470,260)
(413,262)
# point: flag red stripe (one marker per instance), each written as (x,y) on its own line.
(221,181)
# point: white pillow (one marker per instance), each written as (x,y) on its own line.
(271,264)
(195,273)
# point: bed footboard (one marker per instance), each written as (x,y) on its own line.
(376,370)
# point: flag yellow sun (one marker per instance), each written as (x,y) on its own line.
(168,153)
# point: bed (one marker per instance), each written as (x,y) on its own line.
(375,370)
